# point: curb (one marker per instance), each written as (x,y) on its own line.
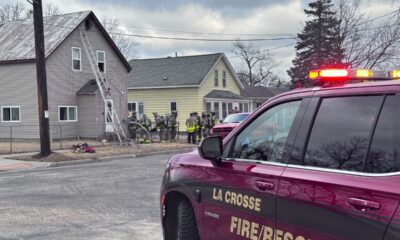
(111,158)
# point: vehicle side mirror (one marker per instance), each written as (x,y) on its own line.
(211,149)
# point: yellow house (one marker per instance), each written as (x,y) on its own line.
(201,83)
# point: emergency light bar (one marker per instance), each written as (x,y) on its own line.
(344,75)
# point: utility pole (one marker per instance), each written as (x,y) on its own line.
(43,104)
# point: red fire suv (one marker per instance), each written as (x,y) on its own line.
(321,163)
(229,123)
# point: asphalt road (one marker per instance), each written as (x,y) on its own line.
(109,200)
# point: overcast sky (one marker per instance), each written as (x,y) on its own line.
(271,18)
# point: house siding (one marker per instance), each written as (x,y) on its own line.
(18,84)
(63,82)
(20,89)
(188,99)
(208,84)
(157,100)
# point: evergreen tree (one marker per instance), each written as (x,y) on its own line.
(319,44)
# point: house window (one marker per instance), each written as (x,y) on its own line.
(101,60)
(173,107)
(67,113)
(208,107)
(132,107)
(216,109)
(224,110)
(109,111)
(76,59)
(137,107)
(245,107)
(11,114)
(223,79)
(216,78)
(230,108)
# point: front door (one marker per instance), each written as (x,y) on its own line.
(109,116)
(240,197)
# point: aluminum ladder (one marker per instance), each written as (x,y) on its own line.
(103,88)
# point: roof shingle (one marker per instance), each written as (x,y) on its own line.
(222,94)
(89,88)
(262,93)
(171,71)
(17,37)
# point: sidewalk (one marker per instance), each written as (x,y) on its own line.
(20,161)
(10,165)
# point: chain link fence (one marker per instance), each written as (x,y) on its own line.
(20,138)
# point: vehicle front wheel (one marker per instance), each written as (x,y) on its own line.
(187,226)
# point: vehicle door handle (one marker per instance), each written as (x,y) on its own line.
(363,205)
(264,185)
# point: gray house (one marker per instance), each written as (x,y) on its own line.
(76,107)
(258,95)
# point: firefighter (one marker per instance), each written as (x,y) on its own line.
(167,128)
(209,124)
(174,126)
(132,126)
(145,129)
(213,119)
(191,128)
(204,125)
(198,127)
(160,125)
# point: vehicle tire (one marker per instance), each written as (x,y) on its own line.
(187,227)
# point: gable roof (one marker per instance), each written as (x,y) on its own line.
(17,37)
(89,88)
(173,72)
(260,92)
(222,94)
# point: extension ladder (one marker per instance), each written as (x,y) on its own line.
(102,85)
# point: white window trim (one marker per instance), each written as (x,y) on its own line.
(80,59)
(216,78)
(19,109)
(97,58)
(112,110)
(137,107)
(76,113)
(169,105)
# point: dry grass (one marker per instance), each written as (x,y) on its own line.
(54,157)
(24,146)
(108,151)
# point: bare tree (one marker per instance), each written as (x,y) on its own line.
(368,45)
(126,44)
(18,11)
(51,9)
(12,12)
(257,65)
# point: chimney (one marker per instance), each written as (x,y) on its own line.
(176,54)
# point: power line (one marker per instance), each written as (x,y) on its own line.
(217,34)
(206,33)
(269,49)
(205,39)
(181,38)
(291,36)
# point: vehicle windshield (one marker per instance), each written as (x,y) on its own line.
(236,118)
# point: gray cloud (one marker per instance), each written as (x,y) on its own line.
(222,5)
(215,16)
